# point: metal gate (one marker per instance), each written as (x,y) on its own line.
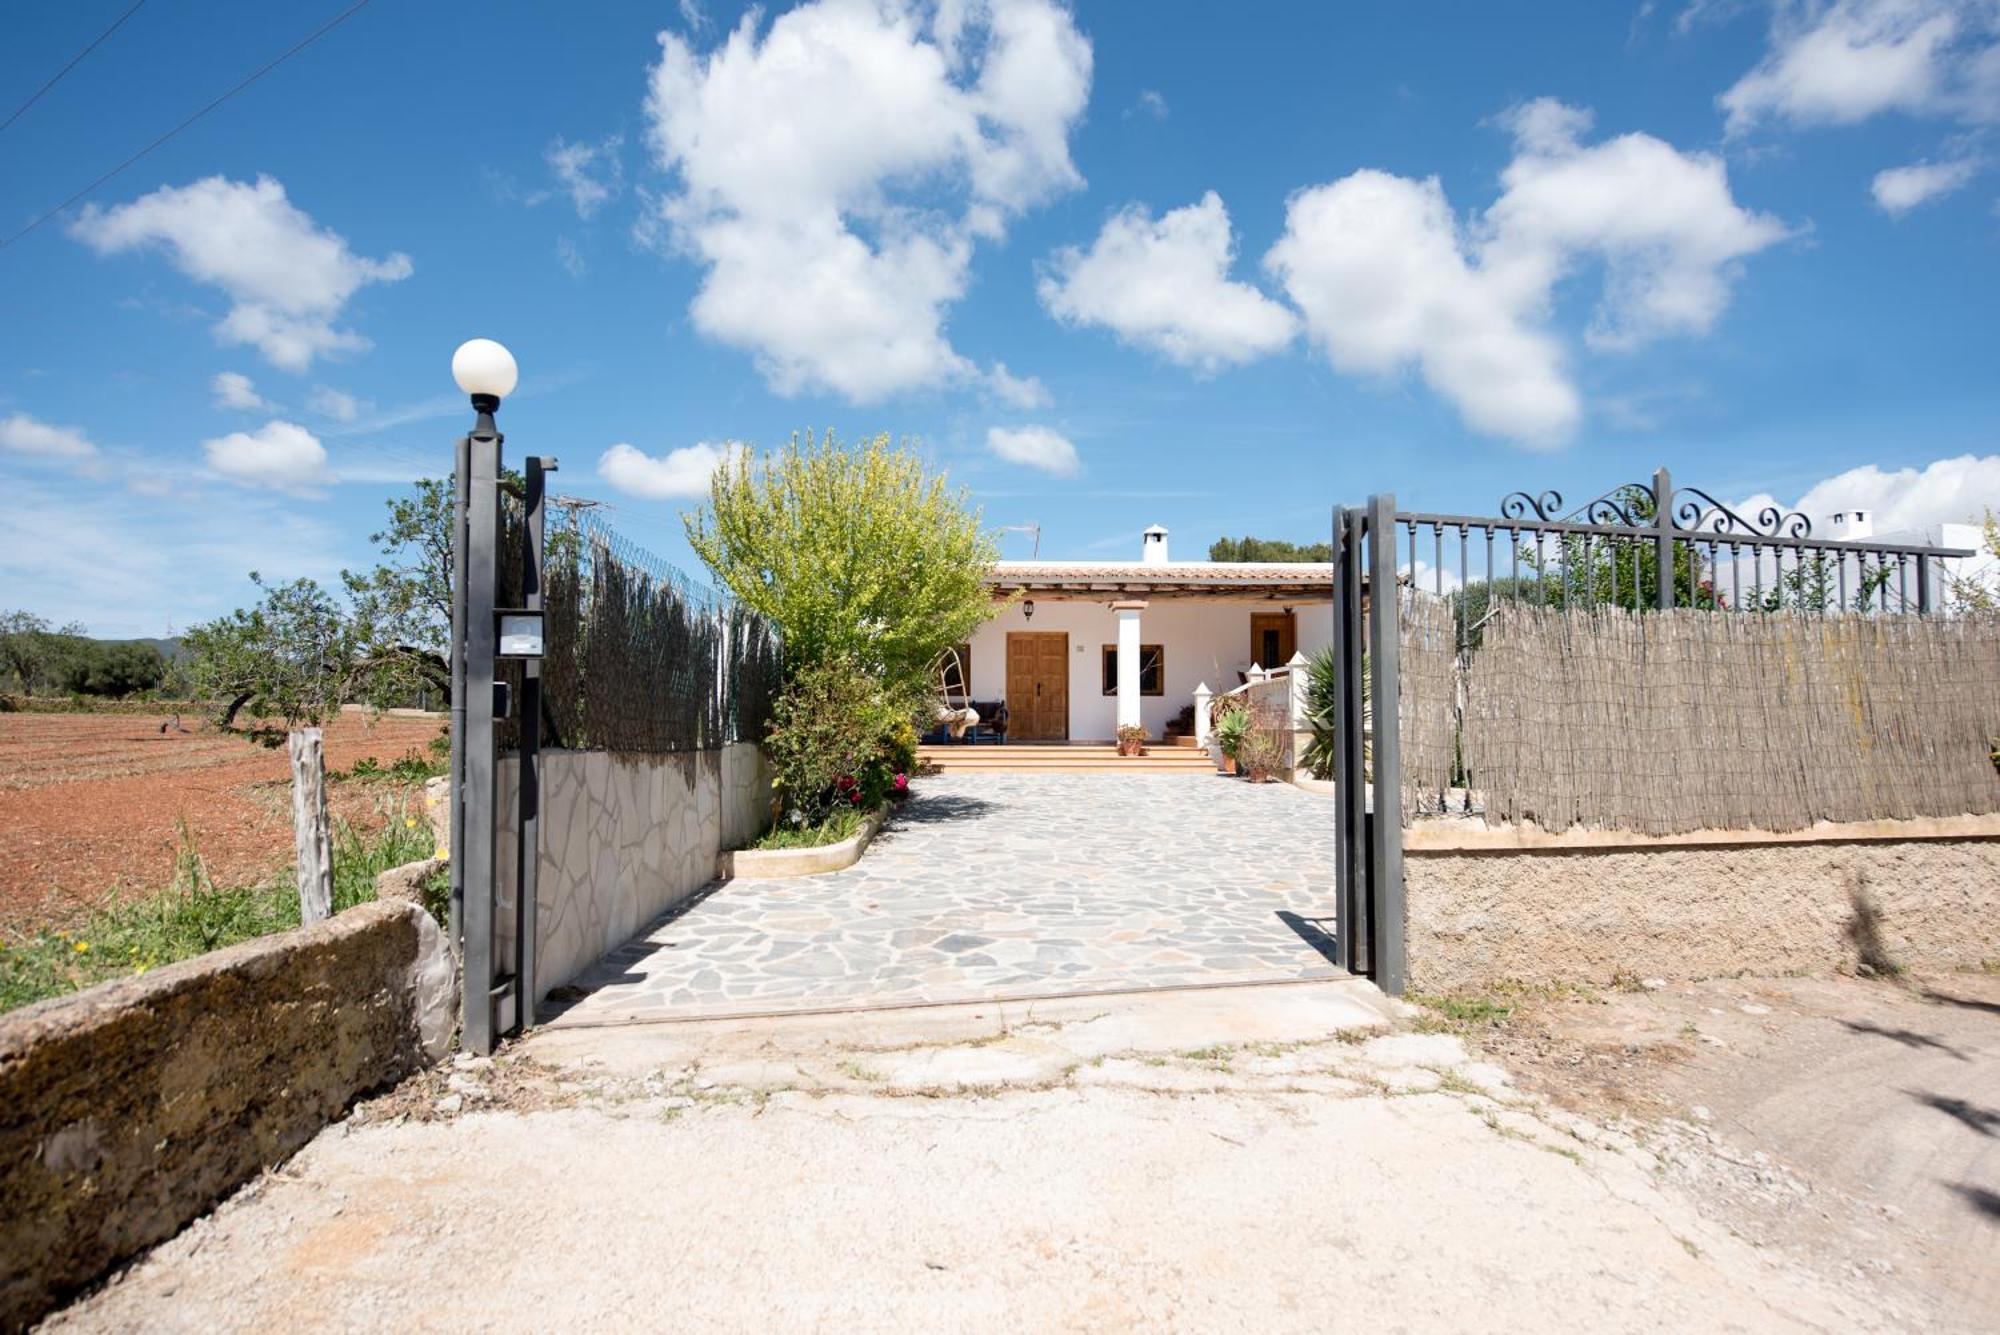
(497,530)
(1640,546)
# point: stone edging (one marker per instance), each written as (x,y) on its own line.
(773,863)
(1476,837)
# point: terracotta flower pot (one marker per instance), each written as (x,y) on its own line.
(1131,748)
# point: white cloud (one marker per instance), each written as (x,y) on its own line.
(834,171)
(1948,491)
(571,258)
(693,15)
(236,391)
(1387,278)
(280,455)
(288,277)
(1150,102)
(1036,447)
(333,403)
(1018,391)
(43,442)
(1164,284)
(591,174)
(1900,189)
(1841,63)
(682,472)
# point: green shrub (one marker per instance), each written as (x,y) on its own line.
(840,739)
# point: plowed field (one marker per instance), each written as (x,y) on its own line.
(91,805)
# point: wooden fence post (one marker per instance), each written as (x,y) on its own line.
(309,826)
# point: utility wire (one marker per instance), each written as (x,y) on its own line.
(75,60)
(314,36)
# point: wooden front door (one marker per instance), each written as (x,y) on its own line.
(1274,638)
(1037,686)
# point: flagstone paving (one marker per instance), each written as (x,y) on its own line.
(987,885)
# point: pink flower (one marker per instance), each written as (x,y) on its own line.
(902,783)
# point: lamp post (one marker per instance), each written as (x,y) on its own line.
(485,371)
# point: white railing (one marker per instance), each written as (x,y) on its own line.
(1279,692)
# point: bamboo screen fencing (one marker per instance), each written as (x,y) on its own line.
(1666,722)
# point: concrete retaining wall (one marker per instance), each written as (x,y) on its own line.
(624,839)
(1492,905)
(128,1109)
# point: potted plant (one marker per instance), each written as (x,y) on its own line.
(1259,752)
(1232,726)
(1131,740)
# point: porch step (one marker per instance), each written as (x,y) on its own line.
(1159,759)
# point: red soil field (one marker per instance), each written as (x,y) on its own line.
(90,803)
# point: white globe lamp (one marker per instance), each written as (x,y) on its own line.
(485,370)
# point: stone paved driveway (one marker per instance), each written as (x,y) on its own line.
(1006,885)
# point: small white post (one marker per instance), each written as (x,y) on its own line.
(1202,696)
(1295,680)
(1256,673)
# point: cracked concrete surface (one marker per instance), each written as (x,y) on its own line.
(1273,1158)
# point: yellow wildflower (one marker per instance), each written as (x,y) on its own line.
(83,947)
(410,822)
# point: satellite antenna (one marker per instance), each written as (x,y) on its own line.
(1031,528)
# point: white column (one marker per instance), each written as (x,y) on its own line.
(1128,662)
(1295,679)
(1202,696)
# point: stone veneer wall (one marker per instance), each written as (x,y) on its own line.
(624,839)
(1684,907)
(128,1109)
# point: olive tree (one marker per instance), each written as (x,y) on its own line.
(297,656)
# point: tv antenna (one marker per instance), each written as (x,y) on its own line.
(1031,528)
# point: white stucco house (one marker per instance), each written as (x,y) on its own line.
(1090,645)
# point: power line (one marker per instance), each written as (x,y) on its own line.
(314,36)
(75,60)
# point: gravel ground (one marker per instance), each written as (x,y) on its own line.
(1079,1169)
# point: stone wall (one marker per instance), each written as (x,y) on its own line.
(624,839)
(1485,908)
(129,1109)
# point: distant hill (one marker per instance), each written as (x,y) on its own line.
(170,649)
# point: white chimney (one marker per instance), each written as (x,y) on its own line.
(1153,547)
(1851,526)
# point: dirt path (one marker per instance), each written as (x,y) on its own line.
(1853,1122)
(91,803)
(1263,1159)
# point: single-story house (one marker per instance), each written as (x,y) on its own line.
(1088,646)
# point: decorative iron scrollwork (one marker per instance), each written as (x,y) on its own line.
(1616,507)
(1705,514)
(1521,504)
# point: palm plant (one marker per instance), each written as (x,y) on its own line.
(1323,712)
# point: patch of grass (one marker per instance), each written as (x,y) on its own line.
(1463,1009)
(193,915)
(411,767)
(840,825)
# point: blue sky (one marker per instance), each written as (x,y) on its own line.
(1112,265)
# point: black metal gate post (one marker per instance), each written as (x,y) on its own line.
(455,789)
(527,847)
(1368,754)
(1385,830)
(1350,755)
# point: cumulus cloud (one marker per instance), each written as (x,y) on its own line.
(288,277)
(42,442)
(1035,447)
(590,174)
(1948,491)
(1018,391)
(682,472)
(341,407)
(282,456)
(234,390)
(1900,189)
(834,171)
(1841,63)
(1387,278)
(571,258)
(1164,284)
(1150,102)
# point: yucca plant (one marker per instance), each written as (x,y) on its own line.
(1323,712)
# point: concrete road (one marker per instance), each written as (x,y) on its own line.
(1272,1158)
